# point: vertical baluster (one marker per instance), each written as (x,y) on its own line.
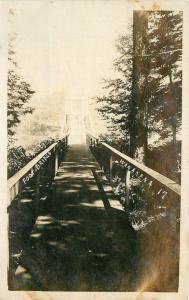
(102,160)
(66,141)
(50,166)
(21,184)
(14,192)
(17,188)
(9,196)
(37,193)
(98,156)
(60,152)
(63,147)
(110,167)
(127,189)
(11,191)
(56,159)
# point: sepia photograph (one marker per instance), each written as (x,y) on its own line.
(94,146)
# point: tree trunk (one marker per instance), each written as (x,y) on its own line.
(135,90)
(174,128)
(139,109)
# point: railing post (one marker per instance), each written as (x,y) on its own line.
(66,141)
(127,189)
(56,159)
(50,166)
(60,151)
(37,193)
(63,146)
(110,167)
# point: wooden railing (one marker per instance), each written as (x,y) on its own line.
(48,159)
(154,184)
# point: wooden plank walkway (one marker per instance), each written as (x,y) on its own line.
(82,241)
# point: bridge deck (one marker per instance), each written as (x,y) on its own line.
(81,241)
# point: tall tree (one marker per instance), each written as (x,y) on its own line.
(166,52)
(157,49)
(165,49)
(140,95)
(115,106)
(144,101)
(19,93)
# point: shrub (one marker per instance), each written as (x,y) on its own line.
(18,158)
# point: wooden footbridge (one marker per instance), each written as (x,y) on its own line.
(78,222)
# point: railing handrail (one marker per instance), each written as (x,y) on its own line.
(12,180)
(22,172)
(170,184)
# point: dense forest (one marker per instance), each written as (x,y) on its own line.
(142,106)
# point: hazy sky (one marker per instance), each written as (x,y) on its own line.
(64,48)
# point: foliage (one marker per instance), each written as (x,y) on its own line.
(115,107)
(18,157)
(19,93)
(145,98)
(165,46)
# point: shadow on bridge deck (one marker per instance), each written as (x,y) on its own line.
(80,241)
